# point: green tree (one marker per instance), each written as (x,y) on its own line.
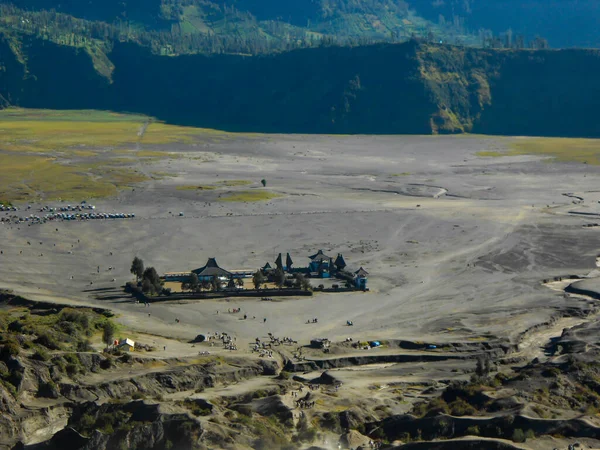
(137,268)
(194,283)
(278,277)
(185,285)
(108,333)
(257,279)
(147,287)
(151,281)
(216,284)
(300,281)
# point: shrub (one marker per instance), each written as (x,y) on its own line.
(41,354)
(68,327)
(552,372)
(106,364)
(459,407)
(259,394)
(48,390)
(9,349)
(84,346)
(307,435)
(529,434)
(80,318)
(72,358)
(87,421)
(71,369)
(518,435)
(15,377)
(16,326)
(473,430)
(47,341)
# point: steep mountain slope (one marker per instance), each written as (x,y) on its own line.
(385,88)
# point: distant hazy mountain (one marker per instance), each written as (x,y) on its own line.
(565,23)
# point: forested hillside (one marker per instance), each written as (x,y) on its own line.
(174,27)
(412,87)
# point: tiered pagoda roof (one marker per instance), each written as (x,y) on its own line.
(211,269)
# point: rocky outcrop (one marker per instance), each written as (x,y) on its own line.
(334,363)
(445,426)
(178,379)
(129,425)
(353,439)
(272,406)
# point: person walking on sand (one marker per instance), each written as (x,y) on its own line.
(264,320)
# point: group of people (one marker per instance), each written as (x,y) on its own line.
(315,320)
(263,353)
(228,341)
(304,404)
(279,341)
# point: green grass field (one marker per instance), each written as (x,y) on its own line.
(196,188)
(250,196)
(212,187)
(69,155)
(559,149)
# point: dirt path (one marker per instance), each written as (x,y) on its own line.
(533,345)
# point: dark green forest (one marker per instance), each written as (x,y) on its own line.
(412,87)
(175,27)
